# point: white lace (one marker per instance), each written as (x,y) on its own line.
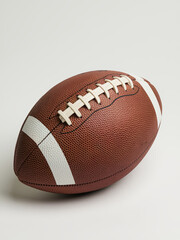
(73,108)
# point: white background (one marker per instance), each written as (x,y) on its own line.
(42,43)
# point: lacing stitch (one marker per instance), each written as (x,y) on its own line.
(73,108)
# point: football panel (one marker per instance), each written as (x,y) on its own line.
(24,147)
(36,169)
(83,188)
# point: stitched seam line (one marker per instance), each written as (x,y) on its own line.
(81,184)
(82,89)
(129,95)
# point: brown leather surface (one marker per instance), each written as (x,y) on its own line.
(24,147)
(36,168)
(102,146)
(93,186)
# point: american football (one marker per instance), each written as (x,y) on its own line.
(87,132)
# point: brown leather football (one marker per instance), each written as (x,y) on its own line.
(87,132)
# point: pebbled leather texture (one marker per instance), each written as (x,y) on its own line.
(102,146)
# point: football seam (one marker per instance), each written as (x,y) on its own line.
(98,180)
(111,74)
(129,95)
(75,128)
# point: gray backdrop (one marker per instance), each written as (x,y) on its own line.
(42,43)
